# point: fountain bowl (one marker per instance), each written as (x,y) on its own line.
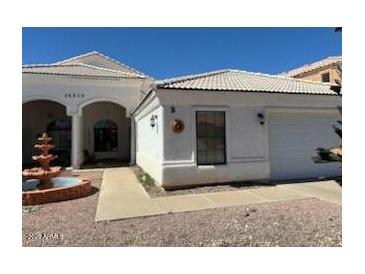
(64,188)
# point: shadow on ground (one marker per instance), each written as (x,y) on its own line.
(104,164)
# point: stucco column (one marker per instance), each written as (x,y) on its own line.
(133,142)
(76,151)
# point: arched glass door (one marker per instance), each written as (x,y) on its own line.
(105,136)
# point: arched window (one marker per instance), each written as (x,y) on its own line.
(105,136)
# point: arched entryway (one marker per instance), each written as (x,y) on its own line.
(46,116)
(106,133)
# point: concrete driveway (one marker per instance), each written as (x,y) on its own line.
(328,191)
(122,196)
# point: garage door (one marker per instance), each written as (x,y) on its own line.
(292,142)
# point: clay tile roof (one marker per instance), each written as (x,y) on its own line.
(237,80)
(119,66)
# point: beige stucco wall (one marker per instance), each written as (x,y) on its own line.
(315,75)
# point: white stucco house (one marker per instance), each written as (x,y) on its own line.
(215,127)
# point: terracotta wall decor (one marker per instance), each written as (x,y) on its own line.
(177,126)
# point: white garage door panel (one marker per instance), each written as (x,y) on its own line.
(293,140)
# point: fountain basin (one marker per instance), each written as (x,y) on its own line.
(64,188)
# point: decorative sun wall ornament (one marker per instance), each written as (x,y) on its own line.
(177,126)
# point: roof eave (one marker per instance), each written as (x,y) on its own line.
(81,75)
(246,91)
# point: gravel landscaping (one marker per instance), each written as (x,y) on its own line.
(155,191)
(309,222)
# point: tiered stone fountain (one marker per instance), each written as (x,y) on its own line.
(44,173)
(44,184)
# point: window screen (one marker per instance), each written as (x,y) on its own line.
(211,135)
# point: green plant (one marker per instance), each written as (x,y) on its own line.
(144,178)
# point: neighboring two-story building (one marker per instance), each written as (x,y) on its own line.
(327,70)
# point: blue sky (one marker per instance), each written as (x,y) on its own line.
(169,52)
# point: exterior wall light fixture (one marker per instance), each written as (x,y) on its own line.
(261,118)
(153,120)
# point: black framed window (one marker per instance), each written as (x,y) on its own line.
(60,131)
(325,77)
(105,136)
(211,137)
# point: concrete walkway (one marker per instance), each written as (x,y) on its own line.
(122,196)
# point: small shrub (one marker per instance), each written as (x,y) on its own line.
(144,178)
